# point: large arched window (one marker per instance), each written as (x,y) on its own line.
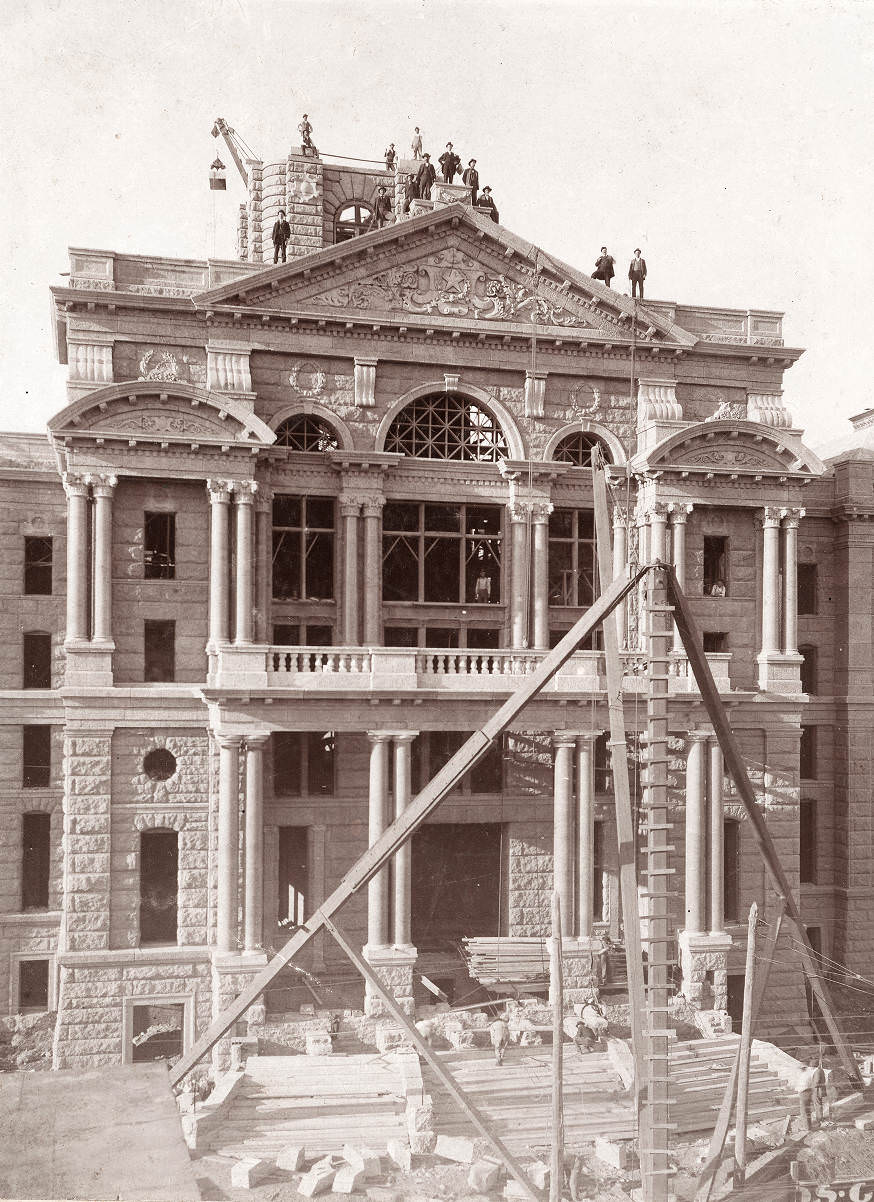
(304,432)
(576,448)
(351,220)
(447,426)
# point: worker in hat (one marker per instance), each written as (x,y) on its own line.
(450,162)
(637,273)
(486,202)
(426,177)
(605,267)
(381,209)
(471,178)
(281,234)
(306,136)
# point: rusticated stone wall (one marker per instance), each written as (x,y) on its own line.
(87,772)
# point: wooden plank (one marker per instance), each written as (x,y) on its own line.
(556,983)
(735,763)
(380,853)
(746,1040)
(458,1094)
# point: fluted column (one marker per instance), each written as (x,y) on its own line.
(378,820)
(243,624)
(350,508)
(563,826)
(103,490)
(620,562)
(403,856)
(263,564)
(518,574)
(679,514)
(585,749)
(695,830)
(372,570)
(790,580)
(254,842)
(717,884)
(228,895)
(77,556)
(540,570)
(219,601)
(771,581)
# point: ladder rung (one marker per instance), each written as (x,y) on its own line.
(658,871)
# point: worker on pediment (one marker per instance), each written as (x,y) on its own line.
(471,178)
(281,235)
(450,162)
(306,136)
(381,209)
(390,156)
(486,203)
(426,177)
(416,144)
(605,268)
(637,273)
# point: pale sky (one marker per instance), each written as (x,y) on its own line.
(731,141)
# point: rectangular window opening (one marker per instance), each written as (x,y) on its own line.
(36,756)
(293,875)
(159,886)
(303,548)
(731,868)
(159,546)
(807,588)
(304,763)
(807,843)
(715,640)
(33,985)
(37,566)
(158,1031)
(36,846)
(715,565)
(159,650)
(571,558)
(807,753)
(37,660)
(446,554)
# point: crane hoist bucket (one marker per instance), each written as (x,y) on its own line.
(218,180)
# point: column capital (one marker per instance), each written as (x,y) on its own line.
(657,511)
(244,491)
(519,511)
(350,505)
(373,506)
(698,736)
(402,736)
(379,736)
(564,738)
(74,485)
(219,491)
(620,517)
(229,742)
(771,515)
(589,736)
(792,518)
(679,512)
(540,511)
(264,497)
(256,742)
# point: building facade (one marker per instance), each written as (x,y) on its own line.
(301,528)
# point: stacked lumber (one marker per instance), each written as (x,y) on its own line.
(508,961)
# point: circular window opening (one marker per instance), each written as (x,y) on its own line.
(159,764)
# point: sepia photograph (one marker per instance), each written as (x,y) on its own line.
(437,601)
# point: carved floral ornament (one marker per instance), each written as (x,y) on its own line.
(307,380)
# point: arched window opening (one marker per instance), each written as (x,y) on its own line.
(304,432)
(447,426)
(576,448)
(351,220)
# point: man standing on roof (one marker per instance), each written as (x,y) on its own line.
(487,204)
(450,162)
(426,177)
(281,234)
(471,178)
(390,156)
(381,209)
(637,273)
(306,136)
(605,267)
(416,144)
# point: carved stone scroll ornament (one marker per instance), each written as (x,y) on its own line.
(166,367)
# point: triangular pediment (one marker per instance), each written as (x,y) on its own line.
(736,448)
(450,264)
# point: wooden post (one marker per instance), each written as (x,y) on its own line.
(557,994)
(746,1039)
(435,1062)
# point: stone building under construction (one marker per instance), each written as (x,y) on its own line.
(300,528)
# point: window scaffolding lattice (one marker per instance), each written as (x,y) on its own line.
(444,425)
(304,432)
(441,553)
(351,220)
(571,558)
(576,448)
(303,548)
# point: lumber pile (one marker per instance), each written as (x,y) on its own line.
(493,960)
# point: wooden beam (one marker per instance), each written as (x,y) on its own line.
(446,1078)
(746,1039)
(735,763)
(556,991)
(380,853)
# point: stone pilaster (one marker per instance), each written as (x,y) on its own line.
(254,843)
(103,490)
(350,508)
(365,382)
(77,559)
(519,514)
(377,951)
(227,368)
(535,393)
(679,514)
(228,883)
(372,510)
(244,493)
(219,592)
(564,743)
(540,512)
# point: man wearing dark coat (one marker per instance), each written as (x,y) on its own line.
(605,267)
(487,204)
(450,162)
(281,234)
(471,178)
(381,209)
(426,177)
(390,156)
(637,273)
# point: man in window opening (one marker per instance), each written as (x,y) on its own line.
(471,178)
(426,177)
(487,203)
(482,591)
(281,234)
(381,209)
(390,156)
(717,589)
(605,267)
(450,162)
(637,273)
(416,144)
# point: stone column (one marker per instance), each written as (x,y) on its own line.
(228,899)
(679,514)
(771,581)
(378,820)
(77,554)
(586,832)
(372,570)
(243,623)
(563,826)
(103,490)
(717,885)
(540,517)
(620,562)
(658,526)
(254,842)
(519,574)
(350,507)
(403,939)
(263,564)
(790,581)
(695,830)
(219,497)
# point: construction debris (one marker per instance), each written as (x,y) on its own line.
(246,1174)
(291,1159)
(453,1147)
(484,1175)
(319,1180)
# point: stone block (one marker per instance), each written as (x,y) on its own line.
(459,1037)
(318,1043)
(400,1155)
(247,1173)
(538,1174)
(865,1122)
(319,1180)
(422,1142)
(455,1147)
(363,1159)
(348,1180)
(613,1152)
(513,1189)
(484,1175)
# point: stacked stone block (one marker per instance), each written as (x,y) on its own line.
(254,223)
(305,192)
